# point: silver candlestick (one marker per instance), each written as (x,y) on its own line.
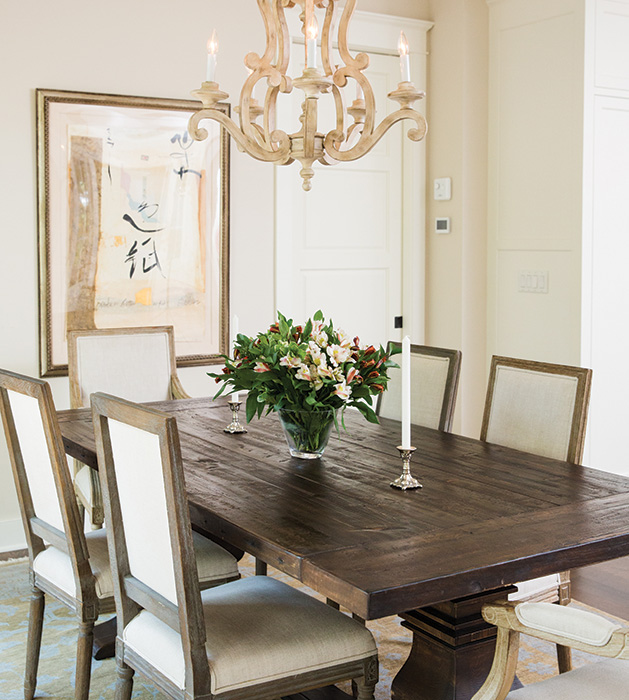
(405,481)
(234,426)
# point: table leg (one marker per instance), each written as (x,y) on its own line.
(452,651)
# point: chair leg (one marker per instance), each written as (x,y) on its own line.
(363,690)
(84,660)
(261,567)
(564,658)
(124,684)
(33,644)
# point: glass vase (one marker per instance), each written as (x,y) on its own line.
(307,432)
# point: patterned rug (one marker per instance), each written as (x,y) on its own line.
(56,668)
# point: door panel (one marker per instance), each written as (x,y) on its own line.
(339,246)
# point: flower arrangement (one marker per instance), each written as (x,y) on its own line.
(312,368)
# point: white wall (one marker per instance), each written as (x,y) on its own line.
(152,48)
(535,177)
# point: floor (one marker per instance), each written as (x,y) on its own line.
(604,586)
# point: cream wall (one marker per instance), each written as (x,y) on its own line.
(457,148)
(137,48)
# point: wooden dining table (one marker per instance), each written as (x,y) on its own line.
(486,517)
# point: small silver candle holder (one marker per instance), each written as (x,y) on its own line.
(405,481)
(234,426)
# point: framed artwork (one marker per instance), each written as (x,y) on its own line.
(133,222)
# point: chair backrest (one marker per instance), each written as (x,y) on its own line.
(537,407)
(134,363)
(435,379)
(150,536)
(40,469)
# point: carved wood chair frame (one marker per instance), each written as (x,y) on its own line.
(85,603)
(132,596)
(574,453)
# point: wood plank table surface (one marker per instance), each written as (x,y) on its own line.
(486,517)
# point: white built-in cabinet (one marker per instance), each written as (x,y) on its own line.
(558,236)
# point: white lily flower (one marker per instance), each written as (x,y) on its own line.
(303,373)
(338,355)
(344,340)
(343,391)
(288,361)
(319,335)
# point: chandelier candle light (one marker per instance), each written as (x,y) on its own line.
(406,481)
(346,141)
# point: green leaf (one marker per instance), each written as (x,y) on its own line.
(252,405)
(318,316)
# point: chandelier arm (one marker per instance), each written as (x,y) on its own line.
(270,26)
(326,40)
(340,110)
(283,37)
(270,102)
(361,61)
(280,154)
(340,79)
(368,140)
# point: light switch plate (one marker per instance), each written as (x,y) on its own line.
(443,188)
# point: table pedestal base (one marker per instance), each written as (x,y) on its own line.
(452,652)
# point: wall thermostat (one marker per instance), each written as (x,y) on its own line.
(442,224)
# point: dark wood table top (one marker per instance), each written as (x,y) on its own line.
(486,517)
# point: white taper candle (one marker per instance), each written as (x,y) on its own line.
(406,393)
(235,331)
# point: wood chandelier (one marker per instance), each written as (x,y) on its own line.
(347,141)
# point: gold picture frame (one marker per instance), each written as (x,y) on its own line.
(133,222)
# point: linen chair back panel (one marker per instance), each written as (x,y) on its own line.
(429,384)
(135,366)
(137,463)
(36,458)
(434,377)
(532,411)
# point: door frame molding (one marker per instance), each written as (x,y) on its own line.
(378,33)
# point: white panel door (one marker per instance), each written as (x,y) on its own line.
(610,297)
(339,246)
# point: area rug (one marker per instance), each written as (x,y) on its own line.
(56,668)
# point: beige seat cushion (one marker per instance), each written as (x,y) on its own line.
(258,630)
(604,680)
(56,567)
(213,563)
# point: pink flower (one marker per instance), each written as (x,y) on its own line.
(351,374)
(261,367)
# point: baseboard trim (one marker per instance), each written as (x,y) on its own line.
(11,536)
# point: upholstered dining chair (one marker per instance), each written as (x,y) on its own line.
(540,408)
(135,363)
(253,638)
(567,627)
(435,376)
(65,563)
